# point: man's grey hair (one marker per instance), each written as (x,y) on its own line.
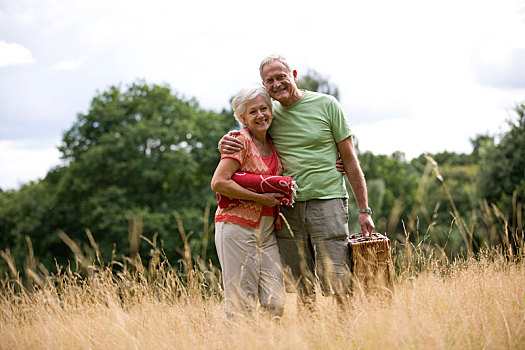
(240,102)
(270,59)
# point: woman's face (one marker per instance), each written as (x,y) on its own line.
(258,116)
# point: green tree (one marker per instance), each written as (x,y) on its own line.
(391,189)
(481,143)
(143,151)
(446,198)
(314,81)
(140,152)
(501,177)
(27,214)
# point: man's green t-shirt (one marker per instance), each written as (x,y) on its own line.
(304,136)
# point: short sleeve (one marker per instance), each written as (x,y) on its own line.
(340,127)
(240,156)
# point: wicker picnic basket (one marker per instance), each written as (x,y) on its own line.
(371,261)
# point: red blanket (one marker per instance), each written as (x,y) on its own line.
(261,184)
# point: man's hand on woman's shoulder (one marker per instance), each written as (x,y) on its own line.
(229,143)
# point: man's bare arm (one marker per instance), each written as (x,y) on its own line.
(357,182)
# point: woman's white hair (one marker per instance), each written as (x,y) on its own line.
(240,102)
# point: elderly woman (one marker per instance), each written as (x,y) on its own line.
(244,233)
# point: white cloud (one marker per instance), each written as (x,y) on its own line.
(25,162)
(70,64)
(14,54)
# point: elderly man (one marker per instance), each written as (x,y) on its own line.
(309,133)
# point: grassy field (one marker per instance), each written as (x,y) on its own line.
(468,303)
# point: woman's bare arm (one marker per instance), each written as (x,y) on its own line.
(222,182)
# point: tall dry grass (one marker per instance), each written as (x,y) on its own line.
(476,302)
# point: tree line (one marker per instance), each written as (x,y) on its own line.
(137,170)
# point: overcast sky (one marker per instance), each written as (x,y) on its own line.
(414,76)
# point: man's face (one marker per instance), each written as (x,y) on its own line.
(280,83)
